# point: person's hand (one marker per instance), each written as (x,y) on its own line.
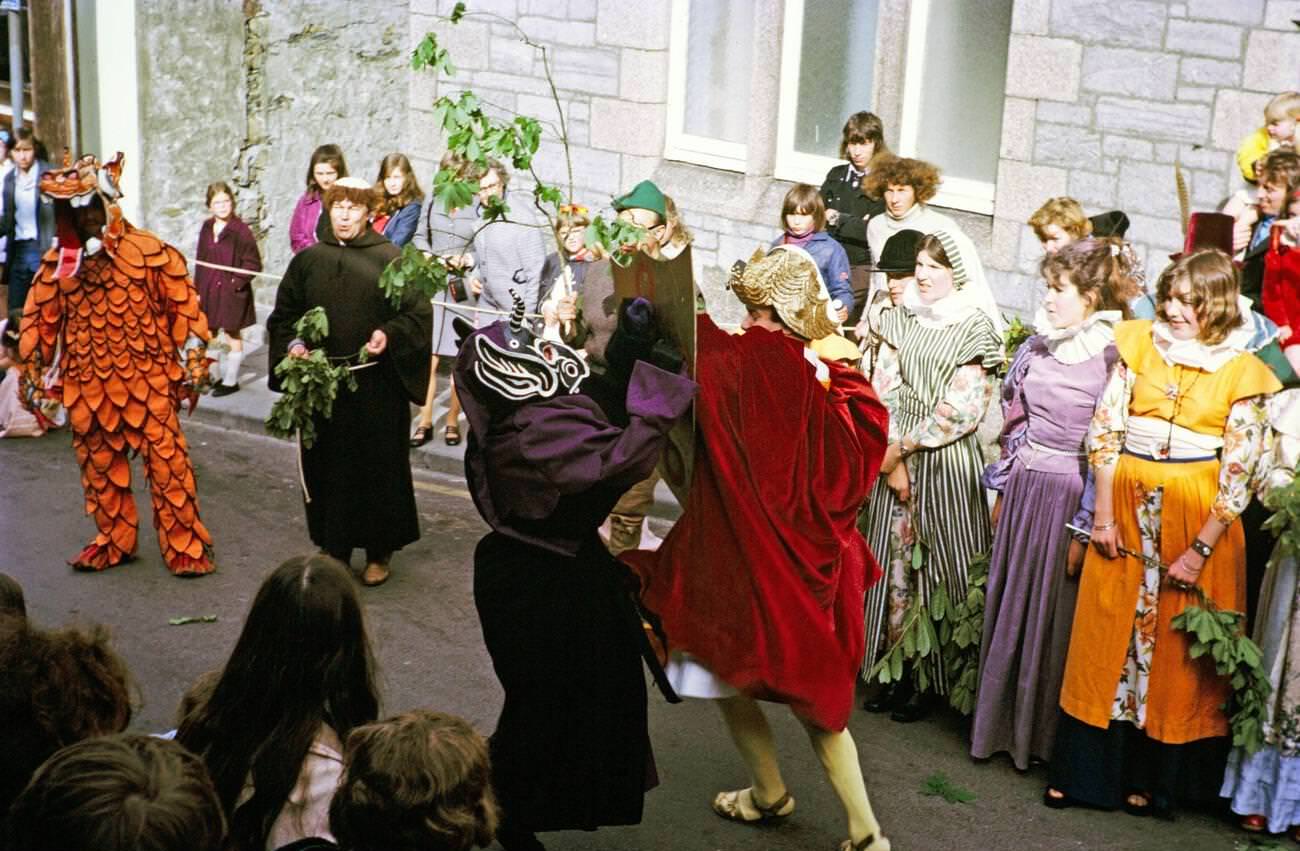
(1283,333)
(863,329)
(548,314)
(842,314)
(893,454)
(1291,228)
(377,343)
(900,483)
(566,308)
(1186,570)
(298,350)
(996,512)
(475,287)
(832,217)
(1106,541)
(1074,558)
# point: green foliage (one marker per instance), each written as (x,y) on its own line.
(457,12)
(960,635)
(413,271)
(429,54)
(310,384)
(1285,522)
(918,639)
(938,785)
(1015,334)
(618,238)
(1221,634)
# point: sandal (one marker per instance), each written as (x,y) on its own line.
(873,842)
(1255,823)
(741,805)
(423,434)
(376,573)
(451,435)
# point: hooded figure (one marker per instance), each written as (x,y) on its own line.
(545,463)
(357,475)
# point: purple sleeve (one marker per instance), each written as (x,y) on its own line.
(576,448)
(1083,517)
(302,227)
(1015,421)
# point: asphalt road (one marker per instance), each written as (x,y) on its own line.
(430,652)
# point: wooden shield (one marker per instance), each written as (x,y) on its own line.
(670,286)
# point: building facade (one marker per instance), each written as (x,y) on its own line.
(724,103)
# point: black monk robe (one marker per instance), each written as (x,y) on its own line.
(358,472)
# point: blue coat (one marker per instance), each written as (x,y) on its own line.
(401,225)
(44,208)
(832,262)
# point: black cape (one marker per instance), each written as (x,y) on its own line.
(358,473)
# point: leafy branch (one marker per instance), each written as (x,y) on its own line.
(939,785)
(1015,334)
(310,384)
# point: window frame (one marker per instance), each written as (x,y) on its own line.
(678,144)
(958,193)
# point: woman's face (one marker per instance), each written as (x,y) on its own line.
(572,238)
(860,153)
(933,279)
(394,182)
(1055,238)
(799,224)
(325,175)
(899,198)
(1180,315)
(221,206)
(1064,307)
(1271,197)
(898,283)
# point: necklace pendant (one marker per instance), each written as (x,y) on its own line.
(1171,391)
(1162,451)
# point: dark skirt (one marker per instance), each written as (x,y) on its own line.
(571,748)
(358,472)
(1102,767)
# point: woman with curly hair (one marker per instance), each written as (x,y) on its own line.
(300,679)
(1040,478)
(1174,442)
(905,186)
(416,782)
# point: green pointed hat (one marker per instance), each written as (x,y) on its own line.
(644,196)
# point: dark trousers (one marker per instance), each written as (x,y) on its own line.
(24,261)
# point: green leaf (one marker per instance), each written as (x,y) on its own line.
(938,785)
(457,12)
(187,619)
(918,556)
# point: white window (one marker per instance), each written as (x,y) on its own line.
(953,92)
(711,46)
(828,58)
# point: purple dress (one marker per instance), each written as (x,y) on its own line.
(1029,606)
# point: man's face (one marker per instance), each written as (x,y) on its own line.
(657,233)
(899,198)
(89,220)
(489,186)
(1271,197)
(348,220)
(24,155)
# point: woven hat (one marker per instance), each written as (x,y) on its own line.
(786,278)
(899,253)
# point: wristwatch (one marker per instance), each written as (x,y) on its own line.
(1201,548)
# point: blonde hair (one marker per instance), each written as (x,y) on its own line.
(922,176)
(682,235)
(1063,212)
(1285,105)
(1212,292)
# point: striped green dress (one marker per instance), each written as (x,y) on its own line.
(937,384)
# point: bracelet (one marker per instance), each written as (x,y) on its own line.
(1201,548)
(1103,527)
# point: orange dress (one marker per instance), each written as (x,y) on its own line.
(1126,663)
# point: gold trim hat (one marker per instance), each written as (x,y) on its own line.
(786,279)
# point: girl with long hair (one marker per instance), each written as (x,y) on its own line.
(399,211)
(325,168)
(300,678)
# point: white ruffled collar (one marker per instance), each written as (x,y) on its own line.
(952,309)
(1204,356)
(1080,342)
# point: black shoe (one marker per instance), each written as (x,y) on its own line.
(886,700)
(518,840)
(220,389)
(423,434)
(915,708)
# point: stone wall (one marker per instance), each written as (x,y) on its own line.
(246,91)
(1103,99)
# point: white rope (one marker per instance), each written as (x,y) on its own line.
(302,478)
(448,306)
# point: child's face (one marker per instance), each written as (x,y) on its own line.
(24,155)
(325,174)
(572,239)
(799,223)
(221,206)
(1281,129)
(898,283)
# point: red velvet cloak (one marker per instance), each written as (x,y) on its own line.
(763,577)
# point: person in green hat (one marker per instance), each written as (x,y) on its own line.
(647,207)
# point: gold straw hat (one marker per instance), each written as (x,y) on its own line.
(786,278)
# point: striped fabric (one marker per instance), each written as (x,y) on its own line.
(949,510)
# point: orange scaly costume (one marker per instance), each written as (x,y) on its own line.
(121,313)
